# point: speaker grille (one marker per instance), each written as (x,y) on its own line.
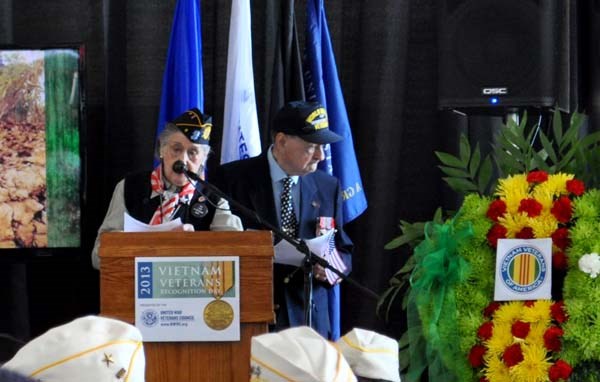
(497,44)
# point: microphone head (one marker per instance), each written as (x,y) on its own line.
(179,167)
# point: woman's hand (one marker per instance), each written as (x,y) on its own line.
(185,228)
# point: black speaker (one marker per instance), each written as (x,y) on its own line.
(498,54)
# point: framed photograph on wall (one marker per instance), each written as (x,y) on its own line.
(41,106)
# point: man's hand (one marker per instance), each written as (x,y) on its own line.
(319,273)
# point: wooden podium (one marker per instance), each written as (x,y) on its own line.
(192,361)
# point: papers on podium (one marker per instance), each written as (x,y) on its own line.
(131,224)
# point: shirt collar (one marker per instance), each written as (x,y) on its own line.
(277,173)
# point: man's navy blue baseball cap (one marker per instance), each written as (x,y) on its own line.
(307,120)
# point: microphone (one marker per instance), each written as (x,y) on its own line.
(206,189)
(181,168)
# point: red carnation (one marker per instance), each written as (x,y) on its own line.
(525,233)
(496,232)
(520,329)
(512,355)
(531,207)
(575,187)
(496,209)
(537,177)
(560,238)
(558,312)
(484,379)
(529,303)
(560,370)
(552,338)
(559,260)
(562,209)
(490,309)
(476,355)
(486,330)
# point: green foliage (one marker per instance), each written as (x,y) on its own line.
(412,234)
(562,149)
(467,172)
(513,150)
(588,371)
(580,341)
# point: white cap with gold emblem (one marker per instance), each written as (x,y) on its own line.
(371,355)
(87,349)
(297,354)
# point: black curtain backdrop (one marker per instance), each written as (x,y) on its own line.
(386,53)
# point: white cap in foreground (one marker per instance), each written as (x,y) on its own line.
(371,355)
(87,349)
(297,354)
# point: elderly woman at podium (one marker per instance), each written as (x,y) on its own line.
(168,192)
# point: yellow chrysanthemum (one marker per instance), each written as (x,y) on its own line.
(538,312)
(501,339)
(543,225)
(537,330)
(496,370)
(514,223)
(508,313)
(544,196)
(512,189)
(534,367)
(556,185)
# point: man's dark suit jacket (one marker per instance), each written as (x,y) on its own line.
(248,181)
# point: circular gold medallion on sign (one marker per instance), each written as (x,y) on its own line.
(218,315)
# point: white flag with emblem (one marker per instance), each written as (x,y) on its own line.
(241,137)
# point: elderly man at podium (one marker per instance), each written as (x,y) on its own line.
(284,186)
(166,193)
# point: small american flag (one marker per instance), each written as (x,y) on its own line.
(331,254)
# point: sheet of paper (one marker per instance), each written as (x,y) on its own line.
(285,253)
(130,224)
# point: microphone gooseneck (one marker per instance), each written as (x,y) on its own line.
(310,258)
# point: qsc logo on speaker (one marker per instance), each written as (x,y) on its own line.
(494,91)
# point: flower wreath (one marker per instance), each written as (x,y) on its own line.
(534,205)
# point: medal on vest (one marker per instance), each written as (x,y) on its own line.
(199,210)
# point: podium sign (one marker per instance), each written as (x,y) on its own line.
(192,361)
(187,298)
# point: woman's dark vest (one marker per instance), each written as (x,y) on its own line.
(139,204)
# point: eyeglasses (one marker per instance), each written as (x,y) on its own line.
(177,149)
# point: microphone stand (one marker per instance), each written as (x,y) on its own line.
(309,257)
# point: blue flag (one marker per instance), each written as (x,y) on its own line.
(322,84)
(182,79)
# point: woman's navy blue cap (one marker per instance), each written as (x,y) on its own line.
(195,126)
(307,120)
